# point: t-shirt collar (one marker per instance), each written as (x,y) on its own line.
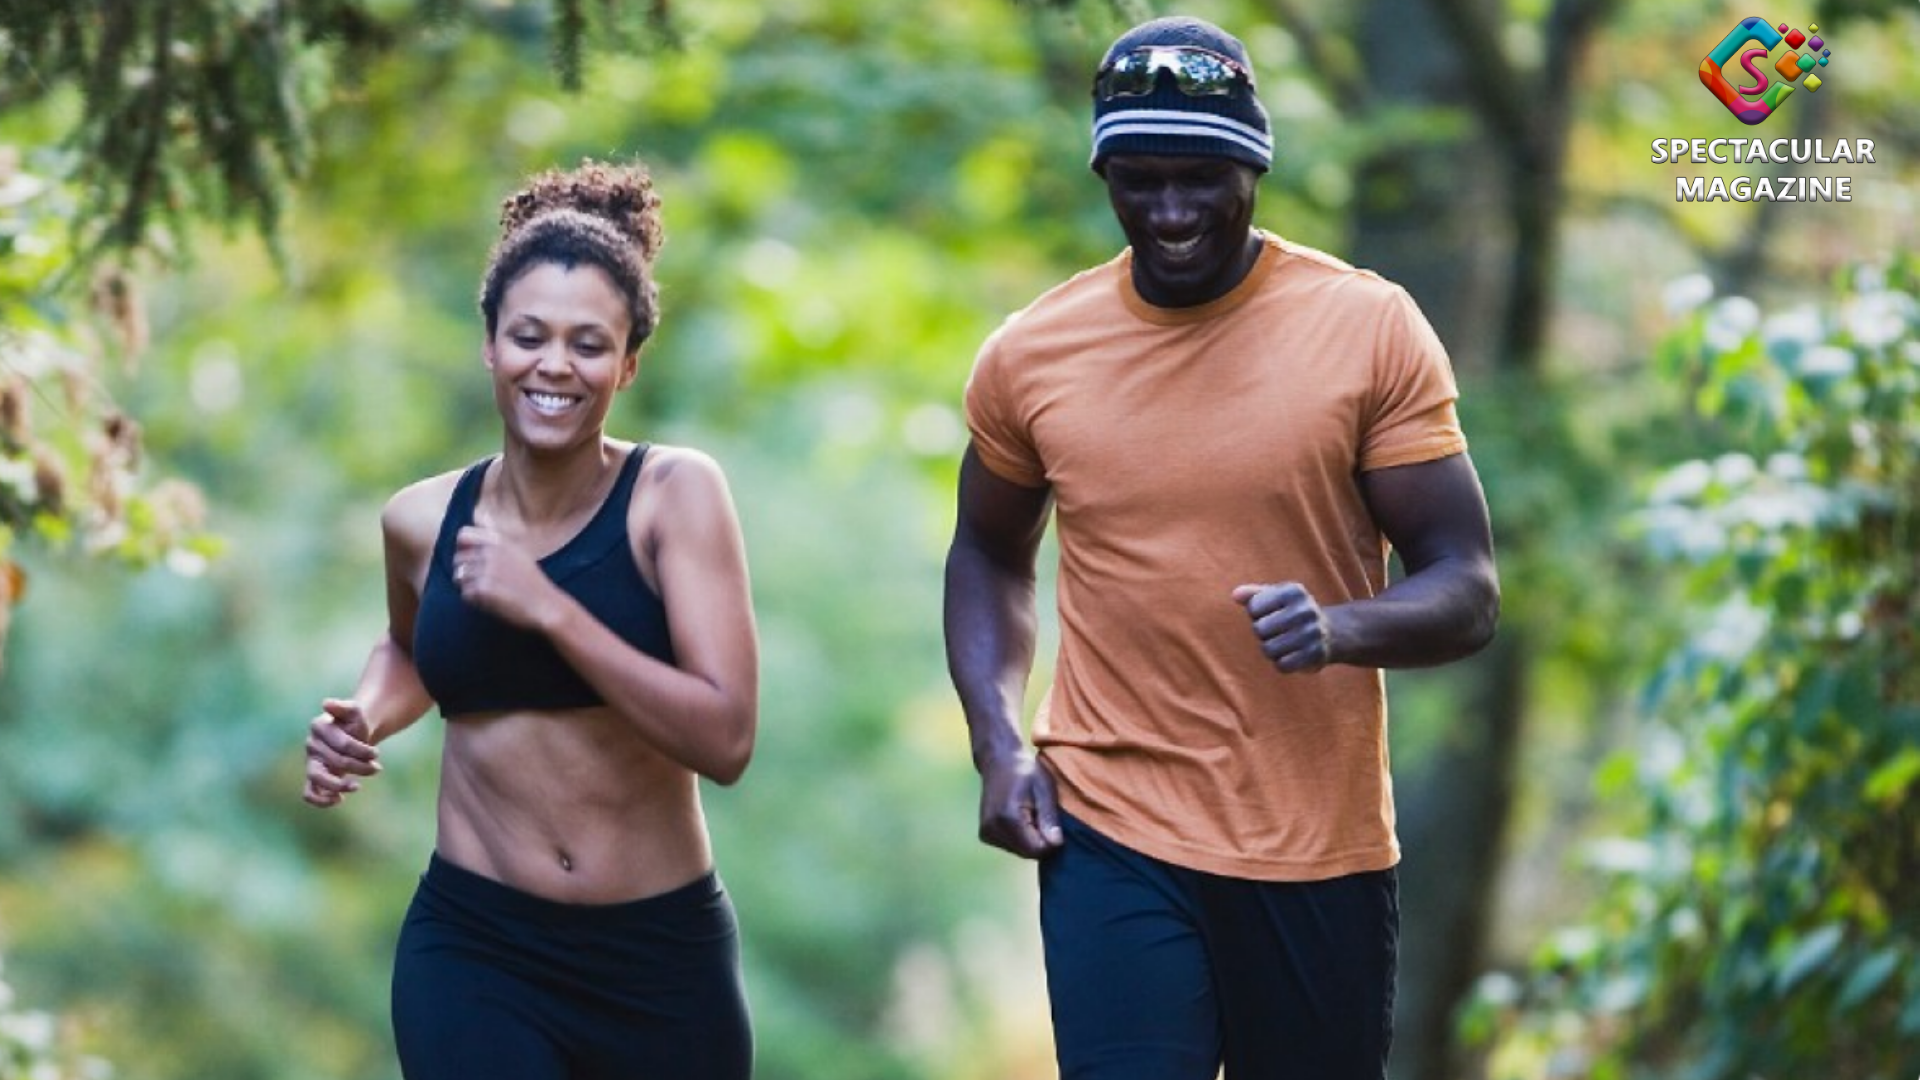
(1263,265)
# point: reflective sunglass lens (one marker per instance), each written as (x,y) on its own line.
(1196,73)
(1199,74)
(1127,78)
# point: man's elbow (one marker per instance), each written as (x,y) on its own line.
(1483,613)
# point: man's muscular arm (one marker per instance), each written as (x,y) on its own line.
(1445,608)
(990,630)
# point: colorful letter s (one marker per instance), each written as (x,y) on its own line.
(1713,77)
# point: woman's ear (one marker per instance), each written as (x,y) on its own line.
(629,369)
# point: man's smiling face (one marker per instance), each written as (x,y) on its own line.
(1188,220)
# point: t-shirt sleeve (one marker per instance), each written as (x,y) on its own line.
(1000,435)
(1412,418)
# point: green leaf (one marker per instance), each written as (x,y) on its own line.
(1808,956)
(1813,701)
(1870,976)
(1890,781)
(1615,776)
(1910,1016)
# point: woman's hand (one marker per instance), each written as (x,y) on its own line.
(338,750)
(503,580)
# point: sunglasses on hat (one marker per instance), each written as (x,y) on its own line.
(1196,72)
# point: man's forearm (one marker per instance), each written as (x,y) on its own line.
(1444,612)
(990,627)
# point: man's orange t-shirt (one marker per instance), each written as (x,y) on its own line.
(1191,450)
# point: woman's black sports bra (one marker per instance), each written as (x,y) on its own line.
(472,661)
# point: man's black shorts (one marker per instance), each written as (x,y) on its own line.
(1157,972)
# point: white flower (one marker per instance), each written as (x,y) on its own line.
(31,1031)
(1786,466)
(1879,319)
(1731,322)
(1734,470)
(1685,293)
(1791,331)
(16,476)
(1826,360)
(186,563)
(1682,482)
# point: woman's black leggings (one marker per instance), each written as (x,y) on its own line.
(490,983)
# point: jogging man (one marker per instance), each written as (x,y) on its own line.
(1230,430)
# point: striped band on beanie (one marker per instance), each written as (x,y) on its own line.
(1179,131)
(1166,122)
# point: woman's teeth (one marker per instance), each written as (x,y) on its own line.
(551,403)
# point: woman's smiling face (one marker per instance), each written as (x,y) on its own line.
(559,355)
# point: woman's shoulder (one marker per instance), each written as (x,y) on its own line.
(414,512)
(680,477)
(664,462)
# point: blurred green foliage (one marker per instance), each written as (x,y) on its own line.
(70,457)
(855,195)
(162,883)
(1756,920)
(34,1046)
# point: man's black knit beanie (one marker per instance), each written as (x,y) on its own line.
(1169,123)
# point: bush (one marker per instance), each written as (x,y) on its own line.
(1758,926)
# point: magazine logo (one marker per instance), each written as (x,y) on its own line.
(1754,102)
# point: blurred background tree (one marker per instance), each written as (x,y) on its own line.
(1754,921)
(70,456)
(280,210)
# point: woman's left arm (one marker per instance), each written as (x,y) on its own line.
(703,711)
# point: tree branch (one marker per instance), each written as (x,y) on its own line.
(1569,26)
(1349,92)
(1500,91)
(1741,265)
(145,176)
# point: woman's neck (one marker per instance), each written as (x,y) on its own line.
(540,489)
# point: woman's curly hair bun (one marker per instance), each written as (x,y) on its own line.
(621,194)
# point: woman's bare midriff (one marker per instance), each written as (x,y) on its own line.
(571,806)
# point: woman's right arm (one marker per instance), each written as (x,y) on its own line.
(389,696)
